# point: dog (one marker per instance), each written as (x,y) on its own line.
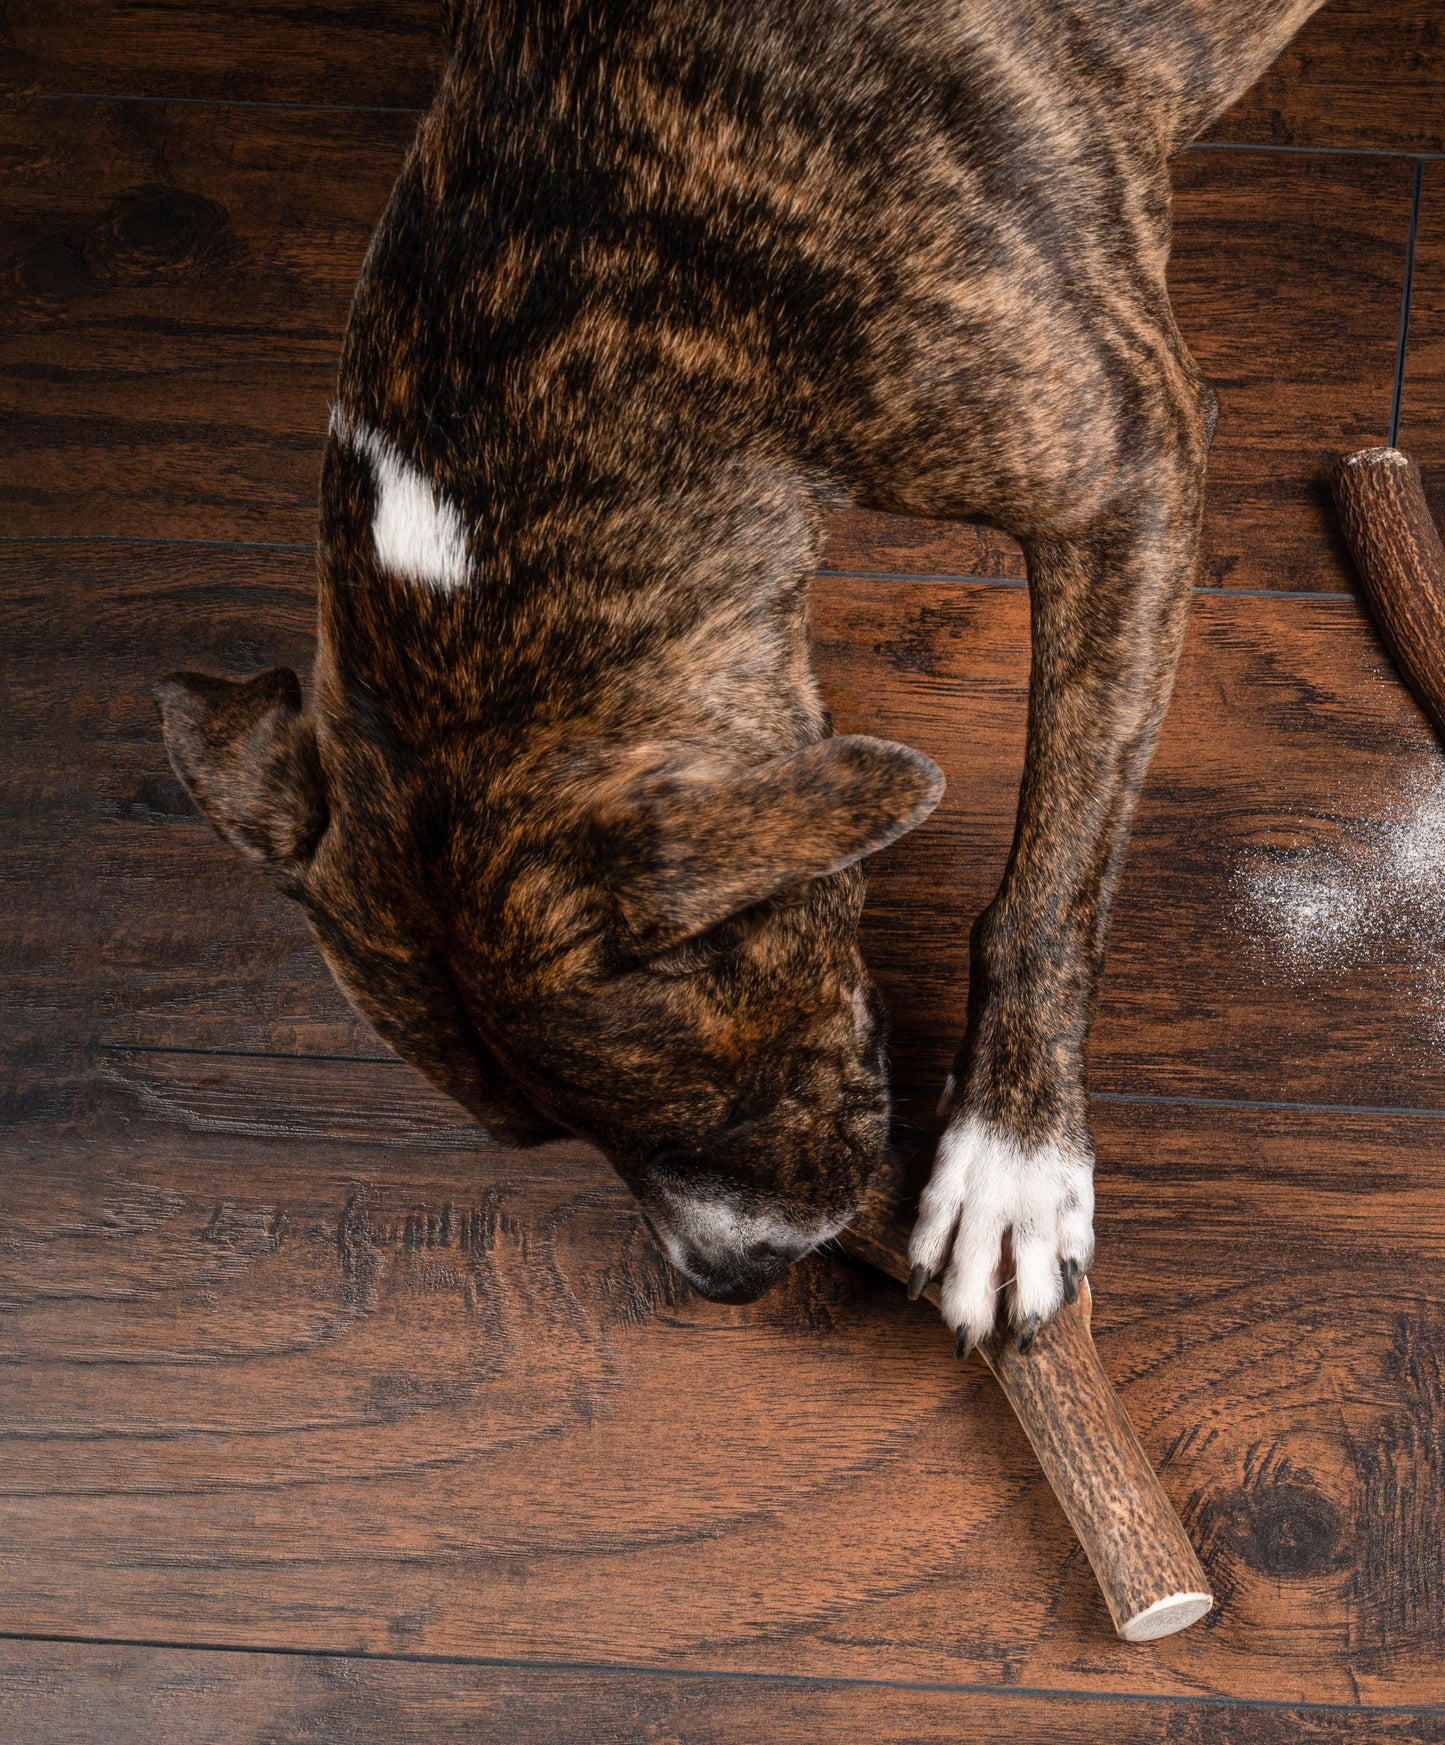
(661,284)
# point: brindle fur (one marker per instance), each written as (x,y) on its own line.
(661,282)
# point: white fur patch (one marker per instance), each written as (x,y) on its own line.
(983,1185)
(418,534)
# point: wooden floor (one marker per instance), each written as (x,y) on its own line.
(321,1417)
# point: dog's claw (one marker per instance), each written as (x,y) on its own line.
(917,1283)
(1071,1281)
(1027,1334)
(962,1344)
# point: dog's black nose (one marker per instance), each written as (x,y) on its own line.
(744,1293)
(748,1282)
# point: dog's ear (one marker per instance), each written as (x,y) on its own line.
(248,758)
(687,851)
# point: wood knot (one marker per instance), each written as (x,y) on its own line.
(152,233)
(1289,1529)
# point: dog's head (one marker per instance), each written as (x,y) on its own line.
(651,946)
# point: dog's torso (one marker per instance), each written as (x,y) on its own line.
(661,283)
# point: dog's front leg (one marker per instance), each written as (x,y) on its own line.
(1010,1202)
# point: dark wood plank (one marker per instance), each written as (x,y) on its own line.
(261,1096)
(861,543)
(1422,408)
(269,51)
(103,854)
(69,1694)
(1361,75)
(175,287)
(1286,277)
(179,278)
(1291,750)
(346,1395)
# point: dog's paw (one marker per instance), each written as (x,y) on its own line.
(989,1197)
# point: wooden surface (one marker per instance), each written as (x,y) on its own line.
(133,925)
(1422,425)
(1360,75)
(303,1382)
(64,1694)
(392,1396)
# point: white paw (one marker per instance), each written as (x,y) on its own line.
(986,1186)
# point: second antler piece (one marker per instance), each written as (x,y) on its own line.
(1401,562)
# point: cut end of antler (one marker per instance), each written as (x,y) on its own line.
(1376,457)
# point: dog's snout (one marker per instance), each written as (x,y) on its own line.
(728,1255)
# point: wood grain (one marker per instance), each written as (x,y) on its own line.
(320,52)
(863,543)
(291,1356)
(1290,738)
(66,1694)
(1359,75)
(178,279)
(102,851)
(1297,259)
(353,1395)
(174,286)
(1291,756)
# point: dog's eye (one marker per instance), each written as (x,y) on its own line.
(705,950)
(696,954)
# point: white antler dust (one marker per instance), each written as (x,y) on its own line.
(1374,892)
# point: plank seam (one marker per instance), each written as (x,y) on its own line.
(840,1681)
(392,1061)
(264,545)
(146,539)
(1342,151)
(1255,1103)
(1019,582)
(1402,343)
(1322,151)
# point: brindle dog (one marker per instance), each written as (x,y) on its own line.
(661,283)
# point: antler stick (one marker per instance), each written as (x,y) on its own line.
(1401,562)
(1145,1565)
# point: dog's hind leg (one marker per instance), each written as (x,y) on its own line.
(1011,1196)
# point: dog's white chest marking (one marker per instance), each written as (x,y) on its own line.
(418,534)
